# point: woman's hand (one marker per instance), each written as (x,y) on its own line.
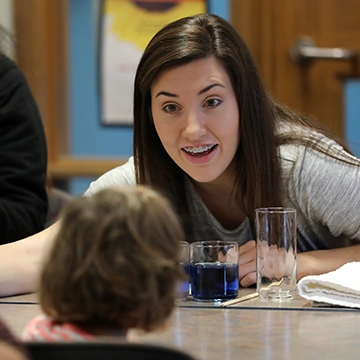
(247,264)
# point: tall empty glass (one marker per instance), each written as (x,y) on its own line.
(214,270)
(276,253)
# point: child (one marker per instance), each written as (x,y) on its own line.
(114,266)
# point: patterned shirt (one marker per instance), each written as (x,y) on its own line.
(43,328)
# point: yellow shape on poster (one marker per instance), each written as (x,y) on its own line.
(137,25)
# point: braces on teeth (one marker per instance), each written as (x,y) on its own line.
(199,149)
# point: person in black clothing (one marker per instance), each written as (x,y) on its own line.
(23,157)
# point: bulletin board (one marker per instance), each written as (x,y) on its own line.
(126,27)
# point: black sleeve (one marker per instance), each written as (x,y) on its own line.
(23,157)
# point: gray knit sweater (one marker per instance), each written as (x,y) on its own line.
(324,191)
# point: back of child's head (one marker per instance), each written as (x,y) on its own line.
(115,260)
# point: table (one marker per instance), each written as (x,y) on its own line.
(254,329)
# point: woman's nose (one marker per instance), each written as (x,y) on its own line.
(194,126)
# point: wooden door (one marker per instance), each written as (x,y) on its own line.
(271,27)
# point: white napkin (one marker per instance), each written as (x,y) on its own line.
(340,287)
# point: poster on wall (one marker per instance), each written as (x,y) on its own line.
(126,28)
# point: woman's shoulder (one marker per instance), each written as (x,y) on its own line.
(299,141)
(318,162)
(8,68)
(123,175)
(6,62)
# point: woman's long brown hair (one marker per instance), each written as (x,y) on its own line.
(257,157)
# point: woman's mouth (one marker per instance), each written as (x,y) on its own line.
(199,151)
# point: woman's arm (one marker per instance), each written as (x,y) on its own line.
(21,261)
(308,263)
(322,261)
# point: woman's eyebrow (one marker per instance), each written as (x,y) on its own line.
(209,87)
(166,94)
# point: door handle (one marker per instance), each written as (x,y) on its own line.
(304,51)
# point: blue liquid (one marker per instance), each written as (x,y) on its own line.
(214,281)
(182,289)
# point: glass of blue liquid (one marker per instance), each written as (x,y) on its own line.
(214,270)
(183,287)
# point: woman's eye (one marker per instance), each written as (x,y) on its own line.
(171,108)
(213,103)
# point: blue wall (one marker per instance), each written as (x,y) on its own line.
(352,114)
(88,136)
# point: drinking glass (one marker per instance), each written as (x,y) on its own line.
(182,290)
(214,270)
(276,253)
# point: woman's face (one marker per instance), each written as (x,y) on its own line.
(196,116)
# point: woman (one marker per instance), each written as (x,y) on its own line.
(210,138)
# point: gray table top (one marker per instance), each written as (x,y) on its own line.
(254,329)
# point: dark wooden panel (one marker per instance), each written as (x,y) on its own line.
(270,28)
